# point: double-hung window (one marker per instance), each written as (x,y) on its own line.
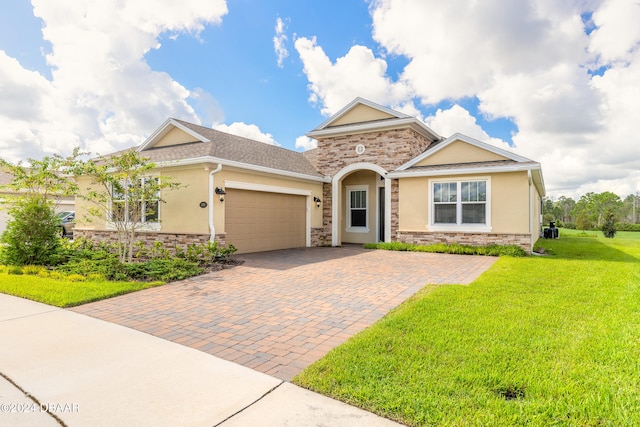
(460,204)
(136,201)
(357,208)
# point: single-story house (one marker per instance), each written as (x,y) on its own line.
(376,175)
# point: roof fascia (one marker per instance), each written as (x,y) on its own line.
(465,171)
(472,141)
(162,131)
(538,181)
(224,162)
(411,122)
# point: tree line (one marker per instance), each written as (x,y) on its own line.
(593,210)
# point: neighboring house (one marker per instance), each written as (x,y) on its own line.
(62,204)
(377,175)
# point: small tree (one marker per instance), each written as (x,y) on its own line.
(609,224)
(124,193)
(32,234)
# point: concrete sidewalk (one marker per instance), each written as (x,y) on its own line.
(89,372)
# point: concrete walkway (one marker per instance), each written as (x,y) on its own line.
(88,372)
(283,310)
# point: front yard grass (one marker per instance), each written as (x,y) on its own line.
(540,340)
(65,291)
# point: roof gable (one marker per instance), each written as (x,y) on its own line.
(361,111)
(361,116)
(460,149)
(171,132)
(460,152)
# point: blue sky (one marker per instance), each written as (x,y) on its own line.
(558,83)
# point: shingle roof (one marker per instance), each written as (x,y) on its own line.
(468,165)
(490,166)
(234,148)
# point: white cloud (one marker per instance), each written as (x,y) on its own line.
(358,73)
(457,48)
(247,131)
(457,119)
(617,31)
(279,42)
(305,143)
(103,95)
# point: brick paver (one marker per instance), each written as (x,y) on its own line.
(280,311)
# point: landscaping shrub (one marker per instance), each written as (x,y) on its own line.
(82,259)
(33,269)
(625,226)
(452,248)
(162,269)
(32,236)
(14,269)
(609,225)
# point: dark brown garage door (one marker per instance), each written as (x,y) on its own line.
(257,221)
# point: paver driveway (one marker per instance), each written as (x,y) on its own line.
(280,311)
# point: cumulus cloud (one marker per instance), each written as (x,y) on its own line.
(358,73)
(247,131)
(279,42)
(102,96)
(304,143)
(617,32)
(458,119)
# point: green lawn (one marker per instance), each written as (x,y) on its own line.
(552,340)
(64,291)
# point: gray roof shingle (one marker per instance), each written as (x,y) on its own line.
(470,165)
(225,146)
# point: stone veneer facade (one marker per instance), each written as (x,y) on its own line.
(475,239)
(388,149)
(169,240)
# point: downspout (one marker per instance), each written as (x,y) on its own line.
(531,213)
(212,227)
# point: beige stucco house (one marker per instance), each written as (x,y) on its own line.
(376,175)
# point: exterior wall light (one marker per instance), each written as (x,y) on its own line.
(221,193)
(317,200)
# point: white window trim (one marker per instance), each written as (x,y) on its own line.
(349,189)
(144,226)
(460,228)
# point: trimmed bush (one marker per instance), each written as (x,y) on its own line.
(453,248)
(609,225)
(32,236)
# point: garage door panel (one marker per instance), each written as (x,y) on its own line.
(259,221)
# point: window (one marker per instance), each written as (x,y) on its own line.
(357,212)
(460,203)
(136,202)
(474,201)
(445,196)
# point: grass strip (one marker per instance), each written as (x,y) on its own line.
(64,292)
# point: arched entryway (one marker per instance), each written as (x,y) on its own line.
(361,208)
